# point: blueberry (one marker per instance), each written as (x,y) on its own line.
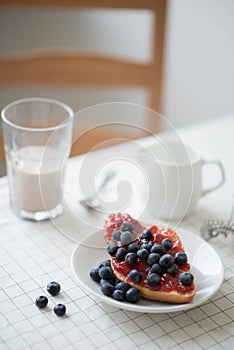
(108,280)
(53,288)
(60,309)
(173,269)
(131,259)
(104,263)
(133,247)
(147,245)
(124,286)
(112,248)
(126,237)
(118,295)
(121,253)
(107,289)
(41,301)
(156,268)
(180,258)
(126,226)
(135,276)
(133,295)
(153,280)
(153,258)
(106,272)
(165,261)
(116,235)
(167,243)
(142,253)
(94,274)
(147,234)
(186,278)
(158,248)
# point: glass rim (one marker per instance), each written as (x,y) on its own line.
(42,100)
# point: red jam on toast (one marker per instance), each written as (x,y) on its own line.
(151,259)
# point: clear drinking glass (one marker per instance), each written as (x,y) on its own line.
(37,141)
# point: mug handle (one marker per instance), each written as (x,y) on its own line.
(220,166)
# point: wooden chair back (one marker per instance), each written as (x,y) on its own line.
(71,69)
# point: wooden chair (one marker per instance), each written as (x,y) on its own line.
(69,69)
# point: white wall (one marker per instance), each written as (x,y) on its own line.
(199,67)
(199,60)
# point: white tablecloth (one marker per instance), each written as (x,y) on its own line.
(32,254)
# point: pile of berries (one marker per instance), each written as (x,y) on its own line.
(156,256)
(111,286)
(53,288)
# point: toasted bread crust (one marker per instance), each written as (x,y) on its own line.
(169,297)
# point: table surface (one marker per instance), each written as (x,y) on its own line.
(32,254)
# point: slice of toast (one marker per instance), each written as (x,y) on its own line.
(174,285)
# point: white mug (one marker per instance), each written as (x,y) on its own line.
(173,173)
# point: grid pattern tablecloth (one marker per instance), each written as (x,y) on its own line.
(32,254)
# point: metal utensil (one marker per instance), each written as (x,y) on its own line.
(93,201)
(213,228)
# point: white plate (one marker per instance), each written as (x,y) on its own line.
(205,265)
